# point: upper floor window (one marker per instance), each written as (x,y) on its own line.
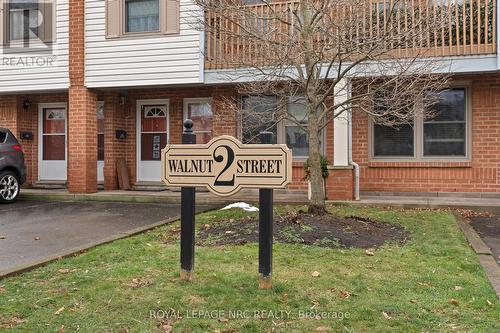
(141,17)
(23,19)
(26,20)
(443,136)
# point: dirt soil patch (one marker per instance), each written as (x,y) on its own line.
(301,228)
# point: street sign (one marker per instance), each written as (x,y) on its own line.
(225,165)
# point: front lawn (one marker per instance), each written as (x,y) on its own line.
(432,283)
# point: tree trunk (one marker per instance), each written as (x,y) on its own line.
(317,201)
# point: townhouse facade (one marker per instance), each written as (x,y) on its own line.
(118,77)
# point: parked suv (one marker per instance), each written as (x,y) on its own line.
(12,168)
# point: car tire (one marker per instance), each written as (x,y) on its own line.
(9,187)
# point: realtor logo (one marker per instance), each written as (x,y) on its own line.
(225,165)
(27,33)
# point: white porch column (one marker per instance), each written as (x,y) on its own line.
(341,127)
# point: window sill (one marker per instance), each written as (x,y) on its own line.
(420,164)
(142,35)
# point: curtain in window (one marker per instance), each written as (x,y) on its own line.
(23,18)
(142,15)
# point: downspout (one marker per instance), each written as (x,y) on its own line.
(351,162)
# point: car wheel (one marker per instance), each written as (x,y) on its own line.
(9,187)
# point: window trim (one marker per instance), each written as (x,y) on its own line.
(418,137)
(186,101)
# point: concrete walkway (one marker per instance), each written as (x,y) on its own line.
(169,197)
(485,204)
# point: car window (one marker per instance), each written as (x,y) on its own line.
(3,136)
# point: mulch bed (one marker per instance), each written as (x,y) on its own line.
(301,228)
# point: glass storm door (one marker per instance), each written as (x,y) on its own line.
(52,150)
(151,140)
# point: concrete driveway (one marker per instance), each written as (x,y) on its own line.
(33,232)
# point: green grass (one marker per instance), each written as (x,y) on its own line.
(412,284)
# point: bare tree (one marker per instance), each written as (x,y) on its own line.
(330,57)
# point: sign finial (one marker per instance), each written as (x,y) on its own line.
(188,126)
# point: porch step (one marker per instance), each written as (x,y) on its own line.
(150,186)
(50,184)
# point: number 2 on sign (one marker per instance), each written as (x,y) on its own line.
(220,158)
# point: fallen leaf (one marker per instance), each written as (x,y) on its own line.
(344,294)
(166,328)
(457,288)
(453,301)
(61,329)
(2,288)
(386,316)
(37,238)
(231,220)
(61,309)
(205,226)
(489,303)
(12,322)
(322,329)
(414,301)
(64,270)
(223,320)
(369,253)
(315,274)
(229,232)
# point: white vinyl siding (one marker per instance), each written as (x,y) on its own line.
(28,79)
(141,60)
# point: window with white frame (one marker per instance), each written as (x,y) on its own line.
(443,136)
(199,110)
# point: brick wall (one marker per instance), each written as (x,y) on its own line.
(82,106)
(481,174)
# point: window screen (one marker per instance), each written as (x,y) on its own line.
(445,134)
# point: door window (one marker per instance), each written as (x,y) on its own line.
(54,134)
(153,131)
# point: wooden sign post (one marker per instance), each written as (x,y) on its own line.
(225,165)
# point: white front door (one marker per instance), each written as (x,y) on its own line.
(152,136)
(52,143)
